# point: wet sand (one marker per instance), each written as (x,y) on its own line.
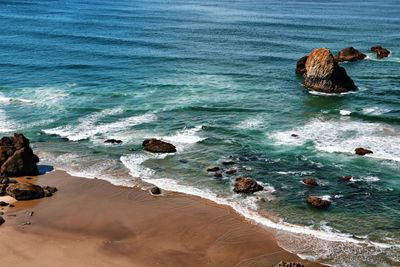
(94,223)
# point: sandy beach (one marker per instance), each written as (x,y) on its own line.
(91,222)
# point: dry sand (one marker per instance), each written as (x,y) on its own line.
(94,223)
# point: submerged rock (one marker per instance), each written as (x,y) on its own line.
(289,264)
(158,146)
(213,169)
(318,202)
(323,73)
(362,151)
(301,66)
(218,174)
(25,191)
(231,171)
(246,185)
(155,190)
(310,181)
(113,141)
(380,51)
(349,54)
(347,177)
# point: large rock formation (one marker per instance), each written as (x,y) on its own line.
(158,146)
(322,73)
(16,156)
(349,54)
(380,51)
(246,185)
(25,191)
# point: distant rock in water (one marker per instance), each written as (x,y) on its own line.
(289,264)
(380,51)
(301,65)
(113,141)
(16,156)
(362,151)
(323,74)
(318,202)
(246,185)
(310,181)
(213,169)
(347,177)
(158,146)
(349,54)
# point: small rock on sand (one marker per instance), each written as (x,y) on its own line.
(1,220)
(155,190)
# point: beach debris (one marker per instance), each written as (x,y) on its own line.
(301,66)
(362,151)
(323,74)
(213,169)
(349,54)
(231,171)
(158,146)
(3,204)
(246,185)
(16,157)
(310,181)
(155,190)
(289,264)
(380,51)
(318,202)
(2,220)
(113,141)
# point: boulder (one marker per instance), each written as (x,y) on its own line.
(49,190)
(213,169)
(113,141)
(289,264)
(25,191)
(318,202)
(362,151)
(2,220)
(301,66)
(349,54)
(158,146)
(380,51)
(323,73)
(21,163)
(310,181)
(231,171)
(155,190)
(246,185)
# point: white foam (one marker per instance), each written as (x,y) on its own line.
(312,92)
(369,179)
(344,112)
(6,124)
(375,111)
(344,136)
(251,123)
(184,138)
(89,127)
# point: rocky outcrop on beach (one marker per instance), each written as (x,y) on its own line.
(158,146)
(323,74)
(289,264)
(246,185)
(380,51)
(318,202)
(25,191)
(349,54)
(362,151)
(17,157)
(310,181)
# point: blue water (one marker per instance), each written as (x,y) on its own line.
(218,81)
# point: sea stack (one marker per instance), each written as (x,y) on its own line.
(323,74)
(349,54)
(380,51)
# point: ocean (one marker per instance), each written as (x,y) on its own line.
(217,79)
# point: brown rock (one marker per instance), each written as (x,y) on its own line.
(380,51)
(5,153)
(301,66)
(363,151)
(25,191)
(158,146)
(155,190)
(2,220)
(318,202)
(347,177)
(289,264)
(349,54)
(21,163)
(310,181)
(20,141)
(246,185)
(323,74)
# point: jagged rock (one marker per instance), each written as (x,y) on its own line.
(113,141)
(349,54)
(213,169)
(155,190)
(380,51)
(301,66)
(318,202)
(25,191)
(362,151)
(289,264)
(158,146)
(310,181)
(21,163)
(246,185)
(323,73)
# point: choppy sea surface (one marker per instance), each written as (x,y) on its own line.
(216,78)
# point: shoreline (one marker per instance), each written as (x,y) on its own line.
(93,221)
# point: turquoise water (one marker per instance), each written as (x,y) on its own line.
(217,80)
